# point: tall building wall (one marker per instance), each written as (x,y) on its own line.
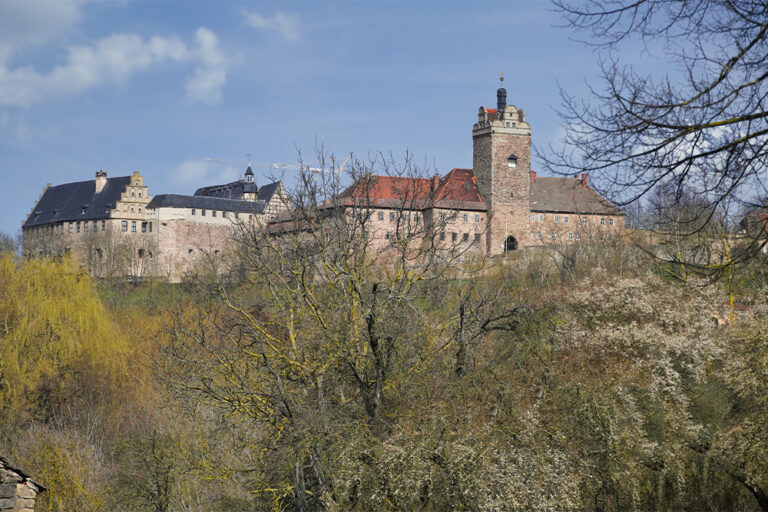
(502,167)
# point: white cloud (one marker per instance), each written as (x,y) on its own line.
(200,173)
(33,22)
(285,24)
(114,60)
(211,74)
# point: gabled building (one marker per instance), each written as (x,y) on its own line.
(499,205)
(115,227)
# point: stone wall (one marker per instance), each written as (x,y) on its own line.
(505,189)
(17,491)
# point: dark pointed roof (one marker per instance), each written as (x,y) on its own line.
(238,189)
(206,203)
(64,203)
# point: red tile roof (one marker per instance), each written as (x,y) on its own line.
(456,190)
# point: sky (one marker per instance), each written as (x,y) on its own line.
(157,86)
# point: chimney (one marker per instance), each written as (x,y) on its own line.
(101,180)
(584,180)
(533,176)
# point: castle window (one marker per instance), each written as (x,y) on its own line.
(139,194)
(124,225)
(381,216)
(565,219)
(71,226)
(95,226)
(531,235)
(453,217)
(477,237)
(133,194)
(466,217)
(577,236)
(465,237)
(189,251)
(202,212)
(103,225)
(554,235)
(533,217)
(415,216)
(602,221)
(477,218)
(538,235)
(454,236)
(392,216)
(610,222)
(541,218)
(78,226)
(512,161)
(85,227)
(213,213)
(237,215)
(570,236)
(511,194)
(557,218)
(442,216)
(133,226)
(193,211)
(389,235)
(150,228)
(216,252)
(583,220)
(143,227)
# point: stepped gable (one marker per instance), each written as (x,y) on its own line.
(568,195)
(206,203)
(62,203)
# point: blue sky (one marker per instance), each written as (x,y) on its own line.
(156,86)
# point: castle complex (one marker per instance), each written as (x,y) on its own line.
(499,205)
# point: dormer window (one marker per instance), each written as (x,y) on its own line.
(512,161)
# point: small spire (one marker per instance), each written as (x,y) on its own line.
(501,97)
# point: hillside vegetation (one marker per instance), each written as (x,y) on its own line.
(526,385)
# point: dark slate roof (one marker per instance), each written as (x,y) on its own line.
(267,191)
(62,203)
(568,195)
(237,189)
(206,203)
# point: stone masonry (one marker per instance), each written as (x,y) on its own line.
(17,491)
(502,165)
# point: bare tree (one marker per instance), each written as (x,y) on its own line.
(703,129)
(323,319)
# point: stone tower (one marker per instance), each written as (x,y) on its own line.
(502,167)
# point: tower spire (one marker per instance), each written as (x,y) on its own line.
(501,97)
